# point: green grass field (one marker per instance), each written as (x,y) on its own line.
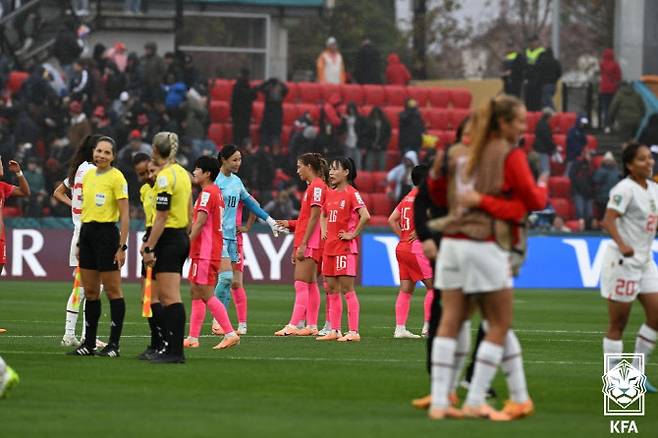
(290,387)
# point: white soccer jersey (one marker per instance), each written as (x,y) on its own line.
(76,190)
(638,208)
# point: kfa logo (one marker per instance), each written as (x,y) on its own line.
(623,389)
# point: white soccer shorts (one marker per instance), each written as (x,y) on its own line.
(73,261)
(624,278)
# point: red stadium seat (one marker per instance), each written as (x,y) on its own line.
(228,133)
(365,110)
(15,80)
(286,131)
(364,182)
(447,138)
(11,212)
(395,139)
(531,121)
(563,208)
(395,95)
(289,114)
(260,97)
(293,93)
(528,142)
(393,114)
(328,90)
(592,143)
(381,204)
(353,93)
(560,140)
(559,187)
(439,119)
(313,110)
(574,225)
(221,90)
(309,92)
(216,133)
(379,179)
(557,169)
(220,112)
(374,95)
(378,221)
(456,116)
(439,97)
(257,112)
(567,120)
(460,98)
(392,159)
(420,94)
(596,161)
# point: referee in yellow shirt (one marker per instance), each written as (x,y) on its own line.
(168,244)
(102,247)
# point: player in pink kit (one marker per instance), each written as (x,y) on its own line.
(307,254)
(206,252)
(344,215)
(413,264)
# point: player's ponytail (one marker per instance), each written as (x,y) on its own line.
(85,152)
(166,143)
(316,162)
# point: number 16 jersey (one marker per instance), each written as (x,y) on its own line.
(341,210)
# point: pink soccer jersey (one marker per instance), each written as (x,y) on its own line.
(341,210)
(208,244)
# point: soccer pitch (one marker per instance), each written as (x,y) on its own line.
(289,387)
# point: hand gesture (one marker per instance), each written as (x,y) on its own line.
(14,166)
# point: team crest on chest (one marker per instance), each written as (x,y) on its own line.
(342,203)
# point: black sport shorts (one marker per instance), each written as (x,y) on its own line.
(99,242)
(171,251)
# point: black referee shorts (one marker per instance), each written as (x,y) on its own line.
(144,239)
(99,242)
(171,251)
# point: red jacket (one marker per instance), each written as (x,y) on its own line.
(610,73)
(396,72)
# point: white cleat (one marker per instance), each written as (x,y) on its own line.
(242,329)
(404,334)
(70,341)
(325,330)
(425,332)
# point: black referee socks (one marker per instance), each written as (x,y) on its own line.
(92,315)
(117,313)
(155,324)
(174,315)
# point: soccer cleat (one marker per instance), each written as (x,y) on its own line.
(227,342)
(350,337)
(425,331)
(242,329)
(82,351)
(649,387)
(422,403)
(216,328)
(486,412)
(288,330)
(100,344)
(519,410)
(191,342)
(301,324)
(147,354)
(308,331)
(110,350)
(404,334)
(3,331)
(9,380)
(70,341)
(333,335)
(442,413)
(168,358)
(325,330)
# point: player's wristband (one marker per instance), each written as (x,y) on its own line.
(271,222)
(19,173)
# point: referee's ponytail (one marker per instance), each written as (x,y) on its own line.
(166,143)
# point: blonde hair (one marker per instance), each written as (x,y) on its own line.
(166,144)
(484,123)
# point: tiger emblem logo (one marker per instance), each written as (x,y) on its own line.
(624,384)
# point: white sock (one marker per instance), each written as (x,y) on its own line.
(487,360)
(612,346)
(400,328)
(512,366)
(71,317)
(461,353)
(645,342)
(443,356)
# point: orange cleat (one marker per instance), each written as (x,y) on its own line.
(484,411)
(191,343)
(288,330)
(3,331)
(422,403)
(217,329)
(308,331)
(350,337)
(227,342)
(519,410)
(333,335)
(442,413)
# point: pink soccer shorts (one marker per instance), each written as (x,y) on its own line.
(339,265)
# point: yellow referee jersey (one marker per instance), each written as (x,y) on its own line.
(174,190)
(147,196)
(100,193)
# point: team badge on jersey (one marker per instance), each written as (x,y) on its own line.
(616,199)
(100,199)
(317,194)
(342,203)
(162,182)
(205,197)
(357,195)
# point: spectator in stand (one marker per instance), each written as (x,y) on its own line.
(26,130)
(330,65)
(195,110)
(36,89)
(33,206)
(576,141)
(191,75)
(124,162)
(605,178)
(101,123)
(544,145)
(175,91)
(400,177)
(133,72)
(533,86)
(330,119)
(152,71)
(376,138)
(396,72)
(412,128)
(582,188)
(114,82)
(558,225)
(118,55)
(79,126)
(80,86)
(281,206)
(514,66)
(242,99)
(368,69)
(627,110)
(352,131)
(302,141)
(549,72)
(610,73)
(66,48)
(270,127)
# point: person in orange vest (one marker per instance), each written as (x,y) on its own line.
(330,65)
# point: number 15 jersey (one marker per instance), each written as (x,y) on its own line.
(406,222)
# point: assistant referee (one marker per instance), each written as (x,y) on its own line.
(168,244)
(102,247)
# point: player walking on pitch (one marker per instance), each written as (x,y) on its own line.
(629,271)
